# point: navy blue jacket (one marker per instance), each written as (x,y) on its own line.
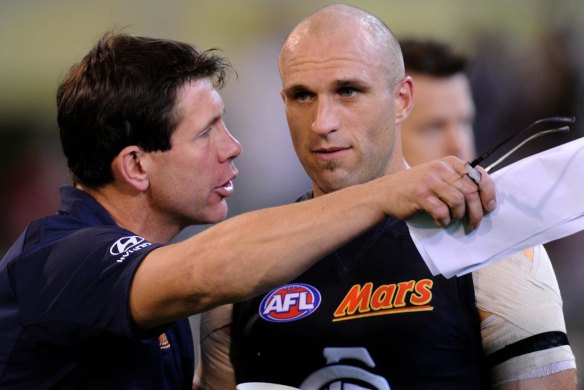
(64,308)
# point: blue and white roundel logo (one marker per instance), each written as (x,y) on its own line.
(290,302)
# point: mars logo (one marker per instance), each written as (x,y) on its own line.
(126,245)
(290,302)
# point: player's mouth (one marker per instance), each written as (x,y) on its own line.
(331,153)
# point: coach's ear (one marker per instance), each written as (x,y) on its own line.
(130,166)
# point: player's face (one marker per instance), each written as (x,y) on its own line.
(190,182)
(340,109)
(440,123)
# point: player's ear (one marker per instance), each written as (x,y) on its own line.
(404,98)
(131,166)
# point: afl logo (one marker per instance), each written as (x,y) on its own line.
(290,302)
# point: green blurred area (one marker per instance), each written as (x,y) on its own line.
(39,39)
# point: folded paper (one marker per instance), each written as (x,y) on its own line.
(539,199)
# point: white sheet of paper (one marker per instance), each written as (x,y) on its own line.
(539,199)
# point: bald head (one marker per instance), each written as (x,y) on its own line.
(343,22)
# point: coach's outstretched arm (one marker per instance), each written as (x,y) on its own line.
(256,251)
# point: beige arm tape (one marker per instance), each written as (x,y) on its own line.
(523,298)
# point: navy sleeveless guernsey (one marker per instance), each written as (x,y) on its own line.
(370,316)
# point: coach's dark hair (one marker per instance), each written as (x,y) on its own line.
(123,93)
(431,58)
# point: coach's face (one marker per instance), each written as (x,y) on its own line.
(190,182)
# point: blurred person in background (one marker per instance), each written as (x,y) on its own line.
(441,122)
(370,315)
(94,297)
(512,295)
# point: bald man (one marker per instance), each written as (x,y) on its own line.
(370,315)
